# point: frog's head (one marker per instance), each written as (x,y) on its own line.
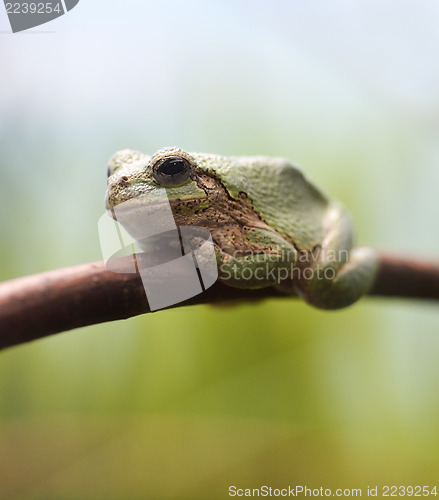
(135,176)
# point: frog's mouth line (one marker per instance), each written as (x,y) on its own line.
(135,208)
(188,202)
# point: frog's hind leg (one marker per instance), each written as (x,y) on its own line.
(341,274)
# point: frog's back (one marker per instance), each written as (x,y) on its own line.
(280,193)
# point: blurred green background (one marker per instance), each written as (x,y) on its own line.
(182,404)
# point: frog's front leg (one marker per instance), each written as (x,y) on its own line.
(264,259)
(341,274)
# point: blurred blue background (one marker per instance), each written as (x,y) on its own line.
(182,404)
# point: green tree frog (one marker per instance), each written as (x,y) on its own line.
(271,226)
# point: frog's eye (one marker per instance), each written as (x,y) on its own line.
(171,171)
(108,171)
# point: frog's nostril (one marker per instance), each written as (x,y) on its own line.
(124,178)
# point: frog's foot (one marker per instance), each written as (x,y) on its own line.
(252,272)
(267,259)
(332,288)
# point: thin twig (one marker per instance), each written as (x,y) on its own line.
(37,306)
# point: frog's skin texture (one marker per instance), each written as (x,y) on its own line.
(270,225)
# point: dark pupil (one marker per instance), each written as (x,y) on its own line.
(173,166)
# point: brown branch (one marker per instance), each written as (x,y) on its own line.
(36,306)
(409,278)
